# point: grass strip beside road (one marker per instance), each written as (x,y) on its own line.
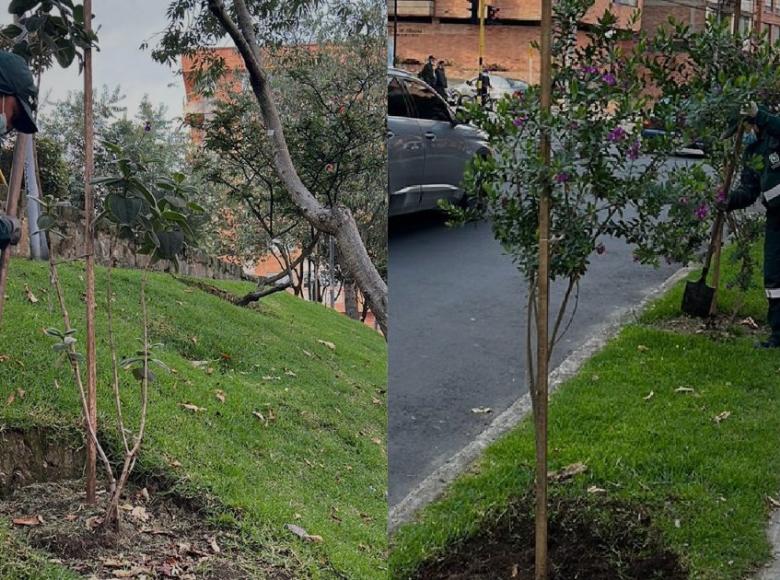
(704,482)
(299,437)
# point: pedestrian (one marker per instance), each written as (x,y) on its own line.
(762,138)
(18,96)
(427,73)
(441,80)
(483,86)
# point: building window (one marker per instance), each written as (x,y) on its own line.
(626,2)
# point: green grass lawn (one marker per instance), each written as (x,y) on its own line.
(321,461)
(704,482)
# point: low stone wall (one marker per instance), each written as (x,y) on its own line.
(193,263)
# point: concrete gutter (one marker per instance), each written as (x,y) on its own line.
(433,486)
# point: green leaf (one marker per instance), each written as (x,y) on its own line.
(11,31)
(19,7)
(54,332)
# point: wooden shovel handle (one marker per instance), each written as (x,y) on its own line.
(715,237)
(11,207)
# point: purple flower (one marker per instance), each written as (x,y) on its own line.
(589,70)
(601,248)
(701,212)
(520,121)
(148,127)
(609,79)
(633,151)
(720,196)
(616,134)
(562,177)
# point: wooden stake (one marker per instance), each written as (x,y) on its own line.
(89,251)
(12,207)
(540,412)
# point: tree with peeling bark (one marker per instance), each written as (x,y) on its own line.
(258,24)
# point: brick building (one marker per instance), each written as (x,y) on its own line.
(763,13)
(444,28)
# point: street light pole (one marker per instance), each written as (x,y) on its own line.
(543,300)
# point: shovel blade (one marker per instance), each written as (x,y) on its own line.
(697,299)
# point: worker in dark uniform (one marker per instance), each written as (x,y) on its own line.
(428,72)
(18,96)
(762,139)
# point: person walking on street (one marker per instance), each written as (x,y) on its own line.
(18,96)
(441,80)
(483,91)
(427,73)
(762,139)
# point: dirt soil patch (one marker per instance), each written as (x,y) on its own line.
(159,537)
(720,327)
(588,540)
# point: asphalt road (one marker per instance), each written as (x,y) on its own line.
(457,334)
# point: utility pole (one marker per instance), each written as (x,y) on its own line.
(480,88)
(89,250)
(543,301)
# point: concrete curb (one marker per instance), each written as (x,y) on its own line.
(433,486)
(772,570)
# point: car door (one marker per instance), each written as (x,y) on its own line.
(405,151)
(445,151)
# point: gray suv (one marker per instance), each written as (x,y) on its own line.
(427,148)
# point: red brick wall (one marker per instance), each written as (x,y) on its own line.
(657,13)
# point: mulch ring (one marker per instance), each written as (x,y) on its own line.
(720,327)
(588,540)
(158,538)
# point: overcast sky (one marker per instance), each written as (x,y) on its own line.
(124,25)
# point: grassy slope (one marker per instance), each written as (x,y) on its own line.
(320,464)
(666,452)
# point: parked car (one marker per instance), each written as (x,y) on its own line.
(427,147)
(654,129)
(499,86)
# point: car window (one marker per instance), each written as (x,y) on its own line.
(396,102)
(429,105)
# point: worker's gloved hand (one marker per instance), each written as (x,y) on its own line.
(749,109)
(10,231)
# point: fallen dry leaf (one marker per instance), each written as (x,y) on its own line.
(139,513)
(684,390)
(327,343)
(775,503)
(93,522)
(376,440)
(134,573)
(191,407)
(303,534)
(174,463)
(650,395)
(722,416)
(642,348)
(214,546)
(28,521)
(481,410)
(568,472)
(750,323)
(220,395)
(30,296)
(290,373)
(259,415)
(307,353)
(376,401)
(594,489)
(71,518)
(114,563)
(10,400)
